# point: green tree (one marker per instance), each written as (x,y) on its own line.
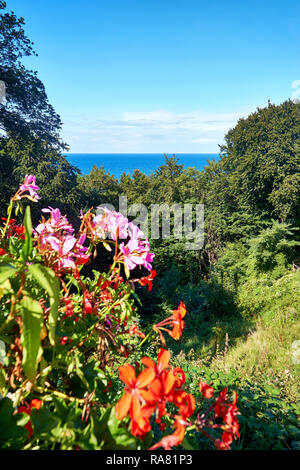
(98,187)
(55,176)
(29,141)
(261,161)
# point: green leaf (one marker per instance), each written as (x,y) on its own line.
(12,436)
(111,434)
(48,281)
(3,384)
(7,270)
(44,422)
(127,272)
(32,314)
(186,444)
(27,247)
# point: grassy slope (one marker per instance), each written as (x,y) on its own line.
(252,354)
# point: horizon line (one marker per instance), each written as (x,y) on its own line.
(139,153)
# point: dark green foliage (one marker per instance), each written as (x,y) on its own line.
(262,160)
(54,175)
(12,434)
(98,188)
(267,421)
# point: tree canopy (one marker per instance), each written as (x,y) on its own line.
(26,110)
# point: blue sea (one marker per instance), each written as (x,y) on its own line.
(118,163)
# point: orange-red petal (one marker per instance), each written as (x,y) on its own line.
(145,378)
(127,374)
(123,405)
(147,361)
(168,380)
(163,359)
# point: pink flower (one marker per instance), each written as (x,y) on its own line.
(30,186)
(136,252)
(56,243)
(56,222)
(112,223)
(134,231)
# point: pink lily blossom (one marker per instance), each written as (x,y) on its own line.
(30,186)
(112,223)
(136,252)
(55,242)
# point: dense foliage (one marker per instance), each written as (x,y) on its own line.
(64,339)
(68,321)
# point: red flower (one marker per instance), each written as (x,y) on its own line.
(19,230)
(134,330)
(68,309)
(175,320)
(35,403)
(228,412)
(63,340)
(131,402)
(167,386)
(2,252)
(178,323)
(206,390)
(147,280)
(164,385)
(87,304)
(174,439)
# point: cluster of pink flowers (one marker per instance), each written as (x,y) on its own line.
(115,225)
(30,186)
(111,224)
(55,241)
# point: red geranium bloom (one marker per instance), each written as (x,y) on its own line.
(35,403)
(174,439)
(63,340)
(164,380)
(134,330)
(87,304)
(166,387)
(19,230)
(175,320)
(147,280)
(178,323)
(131,402)
(206,390)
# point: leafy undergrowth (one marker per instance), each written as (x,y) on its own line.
(252,346)
(260,365)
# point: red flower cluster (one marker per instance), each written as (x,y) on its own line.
(134,330)
(228,412)
(35,403)
(206,390)
(87,303)
(64,340)
(175,320)
(68,309)
(147,280)
(223,410)
(155,387)
(14,230)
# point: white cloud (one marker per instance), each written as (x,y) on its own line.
(158,131)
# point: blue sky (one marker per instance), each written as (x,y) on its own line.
(159,75)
